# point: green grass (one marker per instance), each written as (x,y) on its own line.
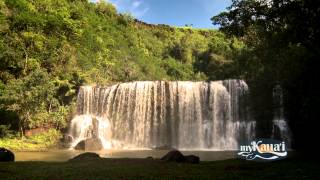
(156,169)
(40,142)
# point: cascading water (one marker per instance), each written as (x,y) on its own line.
(154,114)
(280,127)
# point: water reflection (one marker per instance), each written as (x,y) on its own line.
(64,155)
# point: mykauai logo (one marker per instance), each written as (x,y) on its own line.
(263,150)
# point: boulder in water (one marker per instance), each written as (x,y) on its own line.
(86,157)
(174,155)
(177,156)
(91,144)
(192,159)
(6,155)
(81,145)
(67,138)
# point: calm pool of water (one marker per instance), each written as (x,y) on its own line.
(64,155)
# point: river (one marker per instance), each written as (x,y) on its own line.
(64,155)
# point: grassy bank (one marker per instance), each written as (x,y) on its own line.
(156,169)
(39,142)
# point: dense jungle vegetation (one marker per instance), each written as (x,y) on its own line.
(48,48)
(283,48)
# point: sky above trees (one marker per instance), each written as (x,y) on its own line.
(175,13)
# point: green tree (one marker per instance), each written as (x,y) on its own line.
(31,97)
(283,40)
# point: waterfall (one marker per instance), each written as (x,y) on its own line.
(280,127)
(155,114)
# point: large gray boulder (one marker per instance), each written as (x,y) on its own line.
(6,155)
(91,144)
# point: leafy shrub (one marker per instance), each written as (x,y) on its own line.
(48,139)
(5,131)
(38,142)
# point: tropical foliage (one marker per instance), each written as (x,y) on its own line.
(48,48)
(283,48)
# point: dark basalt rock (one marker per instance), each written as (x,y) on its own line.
(149,157)
(173,155)
(91,144)
(192,159)
(80,146)
(177,156)
(6,155)
(67,138)
(86,157)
